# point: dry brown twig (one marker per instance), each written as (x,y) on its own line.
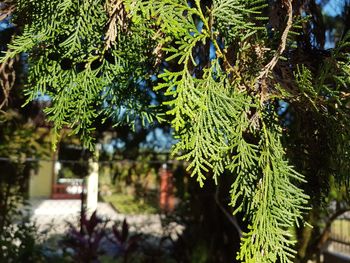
(344,95)
(270,66)
(7,72)
(262,78)
(6,9)
(117,18)
(7,79)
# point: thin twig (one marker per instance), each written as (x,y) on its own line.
(6,9)
(117,17)
(345,95)
(230,217)
(270,66)
(7,79)
(208,24)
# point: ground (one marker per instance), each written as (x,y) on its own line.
(56,213)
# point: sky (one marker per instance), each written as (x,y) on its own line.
(334,7)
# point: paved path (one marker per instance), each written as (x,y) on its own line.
(53,215)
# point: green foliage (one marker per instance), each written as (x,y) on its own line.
(224,68)
(213,120)
(277,204)
(70,61)
(129,204)
(131,185)
(20,243)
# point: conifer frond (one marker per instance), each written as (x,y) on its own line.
(222,70)
(68,62)
(276,205)
(213,116)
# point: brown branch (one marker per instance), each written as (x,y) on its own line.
(117,18)
(344,95)
(213,37)
(270,66)
(7,79)
(6,9)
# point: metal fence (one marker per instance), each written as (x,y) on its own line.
(338,243)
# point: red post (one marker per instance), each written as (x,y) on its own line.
(166,199)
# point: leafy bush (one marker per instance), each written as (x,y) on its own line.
(20,242)
(89,243)
(124,241)
(84,243)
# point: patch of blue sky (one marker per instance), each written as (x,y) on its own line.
(5,24)
(333,7)
(283,106)
(153,77)
(43,97)
(114,144)
(158,140)
(212,51)
(199,26)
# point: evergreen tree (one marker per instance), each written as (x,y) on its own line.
(238,76)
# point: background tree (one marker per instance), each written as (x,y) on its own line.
(21,143)
(250,89)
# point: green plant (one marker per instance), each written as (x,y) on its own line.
(125,242)
(21,242)
(129,204)
(85,242)
(230,70)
